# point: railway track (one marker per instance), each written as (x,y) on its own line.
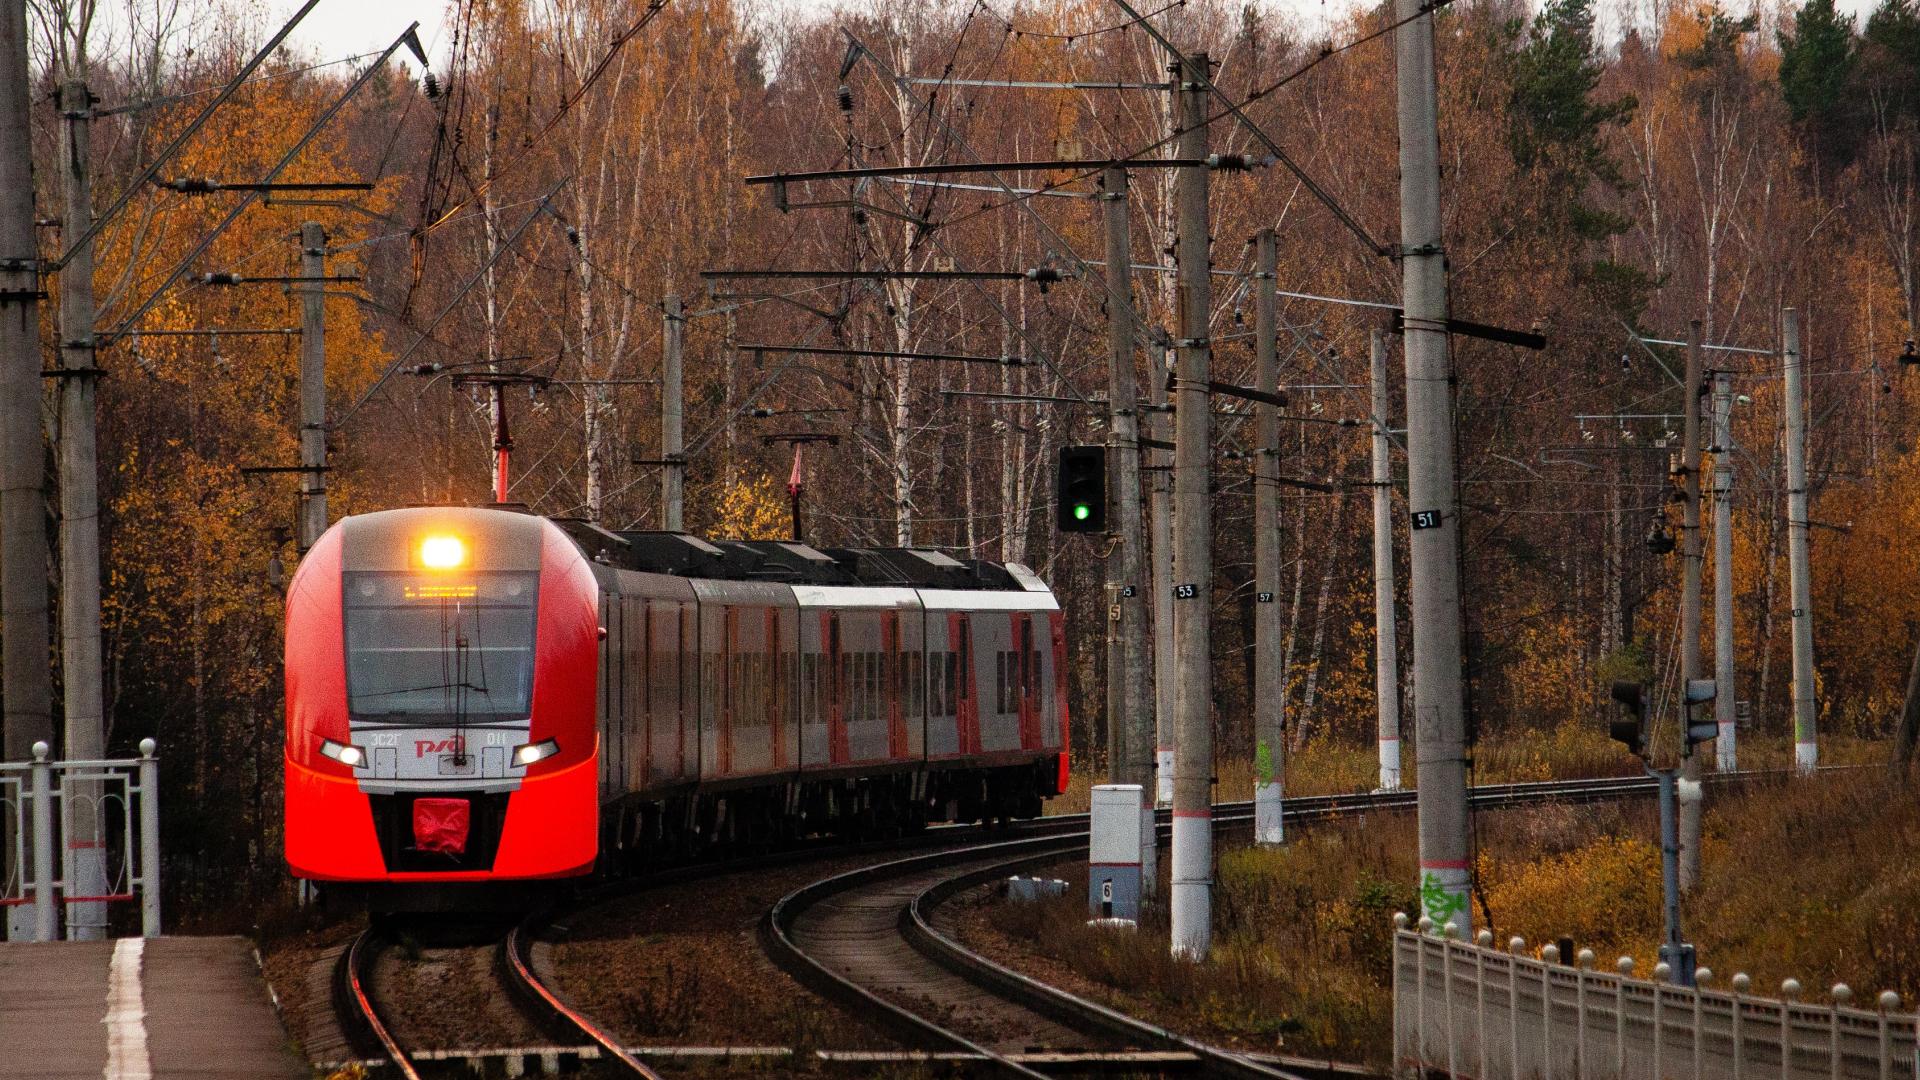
(373,1033)
(867,939)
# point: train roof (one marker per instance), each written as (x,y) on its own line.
(785,562)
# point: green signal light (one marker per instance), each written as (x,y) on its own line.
(1081,511)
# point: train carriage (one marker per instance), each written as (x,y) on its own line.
(481,701)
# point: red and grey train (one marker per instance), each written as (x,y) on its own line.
(481,701)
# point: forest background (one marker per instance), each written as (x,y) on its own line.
(1702,163)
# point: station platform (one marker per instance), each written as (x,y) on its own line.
(139,1008)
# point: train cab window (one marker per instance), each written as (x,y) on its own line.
(419,647)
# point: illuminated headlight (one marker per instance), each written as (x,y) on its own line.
(351,756)
(532,752)
(442,552)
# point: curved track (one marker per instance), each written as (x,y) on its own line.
(367,1031)
(866,940)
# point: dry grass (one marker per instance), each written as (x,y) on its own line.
(1327,767)
(1815,878)
(1300,960)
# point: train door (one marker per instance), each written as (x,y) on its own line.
(960,669)
(836,683)
(1000,725)
(1025,663)
(943,738)
(913,679)
(812,688)
(731,663)
(777,697)
(633,701)
(890,685)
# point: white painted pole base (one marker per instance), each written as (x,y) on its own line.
(1446,897)
(1149,853)
(1192,906)
(1268,829)
(87,870)
(1725,757)
(1163,790)
(1390,764)
(1806,756)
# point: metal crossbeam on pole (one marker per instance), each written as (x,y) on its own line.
(1043,274)
(883,354)
(954,167)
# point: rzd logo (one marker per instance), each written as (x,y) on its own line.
(423,747)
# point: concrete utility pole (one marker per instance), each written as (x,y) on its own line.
(1723,701)
(673,471)
(80,663)
(1806,751)
(25,681)
(1193,532)
(1160,517)
(313,385)
(1386,636)
(1692,556)
(1130,724)
(1439,700)
(1269,695)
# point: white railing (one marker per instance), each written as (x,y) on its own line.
(104,819)
(1473,1010)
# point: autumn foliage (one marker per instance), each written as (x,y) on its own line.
(1602,186)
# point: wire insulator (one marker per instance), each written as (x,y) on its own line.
(431,85)
(844,96)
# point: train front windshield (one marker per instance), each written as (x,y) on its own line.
(429,646)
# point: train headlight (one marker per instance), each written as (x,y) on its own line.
(443,552)
(351,756)
(532,752)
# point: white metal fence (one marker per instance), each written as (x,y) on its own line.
(1476,1011)
(104,819)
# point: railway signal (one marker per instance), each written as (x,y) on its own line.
(1080,484)
(1630,727)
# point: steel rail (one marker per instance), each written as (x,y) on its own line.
(778,940)
(364,1027)
(517,958)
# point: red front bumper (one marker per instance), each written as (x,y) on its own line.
(551,830)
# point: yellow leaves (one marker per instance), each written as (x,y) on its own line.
(1600,894)
(752,509)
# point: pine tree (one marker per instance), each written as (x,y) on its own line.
(1816,68)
